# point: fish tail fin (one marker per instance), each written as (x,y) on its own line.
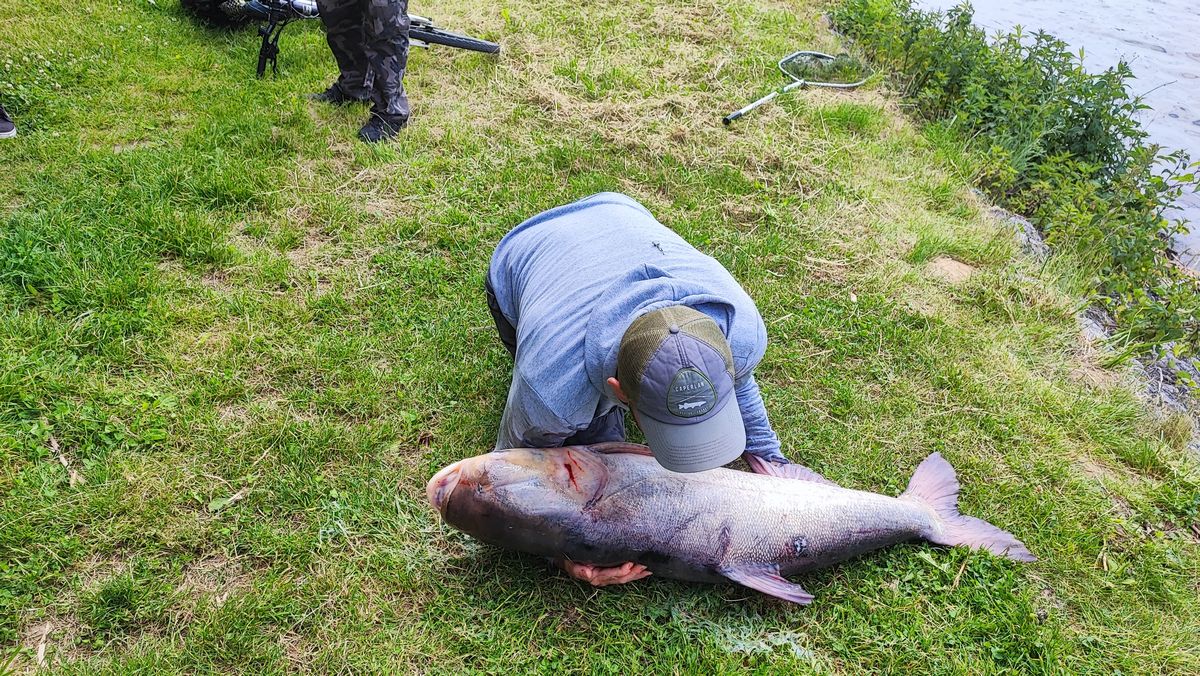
(934,484)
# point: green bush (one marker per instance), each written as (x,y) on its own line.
(1054,142)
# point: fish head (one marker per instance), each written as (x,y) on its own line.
(525,498)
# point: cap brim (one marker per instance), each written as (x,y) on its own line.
(699,446)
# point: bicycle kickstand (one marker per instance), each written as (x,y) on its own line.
(268,51)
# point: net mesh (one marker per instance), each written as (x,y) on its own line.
(840,69)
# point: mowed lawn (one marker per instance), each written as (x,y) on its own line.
(235,343)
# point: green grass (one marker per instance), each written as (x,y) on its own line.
(209,289)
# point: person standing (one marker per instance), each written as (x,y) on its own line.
(7,128)
(606,310)
(369,41)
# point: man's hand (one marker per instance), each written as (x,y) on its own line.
(761,466)
(786,470)
(600,577)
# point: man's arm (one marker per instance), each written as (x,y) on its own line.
(761,440)
(527,422)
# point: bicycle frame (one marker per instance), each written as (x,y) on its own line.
(279,13)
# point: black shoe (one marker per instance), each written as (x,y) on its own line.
(336,96)
(7,128)
(382,128)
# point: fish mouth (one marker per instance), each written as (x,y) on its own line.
(442,485)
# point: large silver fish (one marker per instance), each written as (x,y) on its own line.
(611,503)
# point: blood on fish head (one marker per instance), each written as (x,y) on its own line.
(520,494)
(442,485)
(525,477)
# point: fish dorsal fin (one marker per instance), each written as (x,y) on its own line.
(619,447)
(767,580)
(785,471)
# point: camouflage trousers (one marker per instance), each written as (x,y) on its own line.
(369,40)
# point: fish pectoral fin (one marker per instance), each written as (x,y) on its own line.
(785,471)
(619,447)
(767,580)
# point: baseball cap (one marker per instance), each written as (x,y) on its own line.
(675,366)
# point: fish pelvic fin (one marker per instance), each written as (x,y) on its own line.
(767,580)
(935,484)
(784,471)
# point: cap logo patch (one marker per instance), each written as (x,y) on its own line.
(691,394)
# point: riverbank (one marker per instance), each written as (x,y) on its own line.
(1056,143)
(1154,37)
(235,343)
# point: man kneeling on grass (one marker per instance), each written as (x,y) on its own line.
(604,310)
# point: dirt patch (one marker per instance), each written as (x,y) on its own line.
(1103,476)
(214,578)
(920,306)
(130,147)
(949,270)
(739,213)
(1094,470)
(36,640)
(55,638)
(47,642)
(1048,602)
(99,568)
(310,250)
(924,300)
(547,99)
(386,208)
(1089,372)
(298,650)
(232,414)
(320,265)
(698,24)
(203,346)
(313,256)
(217,280)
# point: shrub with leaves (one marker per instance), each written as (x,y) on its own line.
(1054,142)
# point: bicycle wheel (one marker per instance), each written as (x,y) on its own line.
(218,13)
(437,36)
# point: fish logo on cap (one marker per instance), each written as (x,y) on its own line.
(691,394)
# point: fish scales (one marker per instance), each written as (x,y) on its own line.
(799,525)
